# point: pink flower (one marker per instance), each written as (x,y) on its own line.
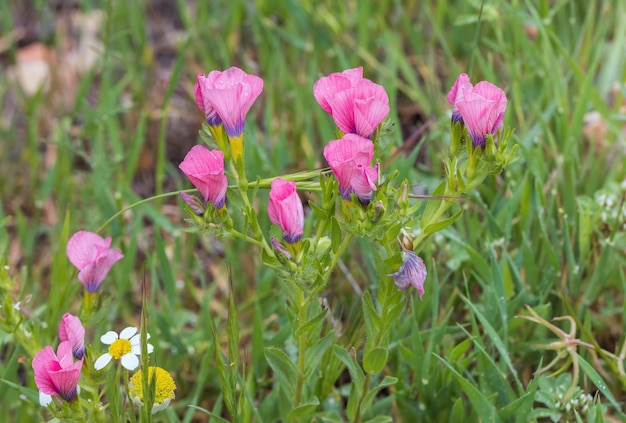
(205,170)
(357,105)
(350,158)
(72,331)
(481,107)
(412,272)
(91,254)
(285,209)
(227,97)
(57,374)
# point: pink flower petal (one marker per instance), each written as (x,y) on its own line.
(461,84)
(327,87)
(80,248)
(72,330)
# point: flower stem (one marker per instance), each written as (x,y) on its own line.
(366,387)
(302,341)
(242,184)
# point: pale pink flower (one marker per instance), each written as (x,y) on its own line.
(72,330)
(57,374)
(90,253)
(350,159)
(227,97)
(205,170)
(285,209)
(412,272)
(480,107)
(357,105)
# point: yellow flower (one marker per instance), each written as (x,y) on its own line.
(164,388)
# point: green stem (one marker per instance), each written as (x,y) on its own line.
(342,247)
(242,184)
(302,313)
(138,203)
(443,207)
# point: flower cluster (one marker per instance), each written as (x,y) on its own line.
(57,374)
(358,106)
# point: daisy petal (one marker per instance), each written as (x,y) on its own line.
(128,332)
(109,337)
(130,361)
(102,361)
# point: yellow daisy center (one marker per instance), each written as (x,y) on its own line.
(164,385)
(119,347)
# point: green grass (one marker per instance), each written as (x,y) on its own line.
(540,234)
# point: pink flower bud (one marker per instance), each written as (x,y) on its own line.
(357,105)
(350,158)
(57,374)
(285,209)
(72,330)
(205,170)
(90,253)
(227,97)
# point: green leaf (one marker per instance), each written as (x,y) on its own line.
(305,410)
(442,224)
(373,324)
(368,399)
(432,205)
(458,351)
(380,419)
(319,212)
(29,393)
(233,337)
(485,410)
(600,383)
(495,338)
(353,401)
(270,260)
(316,351)
(285,371)
(312,324)
(353,368)
(375,360)
(209,413)
(521,407)
(457,414)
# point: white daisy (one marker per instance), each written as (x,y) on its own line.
(125,347)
